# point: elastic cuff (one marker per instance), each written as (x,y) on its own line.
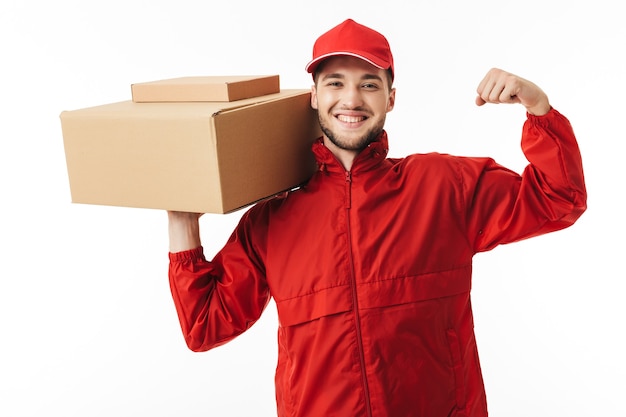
(544,119)
(190,255)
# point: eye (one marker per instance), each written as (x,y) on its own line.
(369,86)
(334,83)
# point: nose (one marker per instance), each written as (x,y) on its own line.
(352,97)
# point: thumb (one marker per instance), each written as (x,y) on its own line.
(479,101)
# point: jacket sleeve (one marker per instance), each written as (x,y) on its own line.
(550,194)
(218,300)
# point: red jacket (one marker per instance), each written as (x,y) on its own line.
(371,273)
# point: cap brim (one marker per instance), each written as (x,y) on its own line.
(311,66)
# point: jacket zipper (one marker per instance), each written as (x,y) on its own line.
(355,301)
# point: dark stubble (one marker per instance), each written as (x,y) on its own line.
(359,145)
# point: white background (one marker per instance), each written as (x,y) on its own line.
(87,324)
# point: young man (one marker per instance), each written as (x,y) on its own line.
(370,262)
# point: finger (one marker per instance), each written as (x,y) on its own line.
(482,85)
(479,101)
(497,91)
(509,91)
(485,93)
(485,88)
(488,84)
(507,97)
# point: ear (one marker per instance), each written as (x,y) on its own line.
(313,97)
(392,100)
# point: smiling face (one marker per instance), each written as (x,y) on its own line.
(352,98)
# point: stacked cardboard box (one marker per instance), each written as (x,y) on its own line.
(211,88)
(199,149)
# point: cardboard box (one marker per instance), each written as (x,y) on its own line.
(209,88)
(196,157)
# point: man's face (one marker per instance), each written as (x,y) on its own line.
(352,98)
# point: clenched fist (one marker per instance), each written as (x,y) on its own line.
(503,87)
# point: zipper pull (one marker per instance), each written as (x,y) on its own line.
(348,189)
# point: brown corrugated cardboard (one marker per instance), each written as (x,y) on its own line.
(208,88)
(196,157)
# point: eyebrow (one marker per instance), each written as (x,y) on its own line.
(341,76)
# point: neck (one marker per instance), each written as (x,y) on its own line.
(345,157)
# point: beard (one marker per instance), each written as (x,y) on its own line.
(343,143)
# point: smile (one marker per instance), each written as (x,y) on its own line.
(350,119)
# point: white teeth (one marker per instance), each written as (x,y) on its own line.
(350,119)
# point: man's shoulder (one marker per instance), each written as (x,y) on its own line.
(426,159)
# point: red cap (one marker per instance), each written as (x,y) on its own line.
(351,38)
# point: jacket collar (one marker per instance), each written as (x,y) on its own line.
(370,157)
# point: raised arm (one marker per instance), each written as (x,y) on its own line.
(549,195)
(218,299)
